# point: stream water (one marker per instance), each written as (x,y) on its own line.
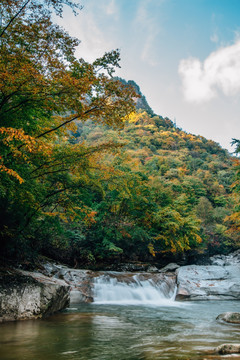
(136,321)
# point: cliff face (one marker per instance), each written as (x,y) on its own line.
(30,295)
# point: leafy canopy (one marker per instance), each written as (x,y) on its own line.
(44,91)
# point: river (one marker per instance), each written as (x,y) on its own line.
(132,320)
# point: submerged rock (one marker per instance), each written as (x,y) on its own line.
(230,317)
(25,295)
(225,349)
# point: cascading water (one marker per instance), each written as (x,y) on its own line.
(133,290)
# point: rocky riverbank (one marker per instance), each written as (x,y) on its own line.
(220,280)
(27,295)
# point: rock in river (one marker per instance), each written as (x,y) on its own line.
(25,295)
(230,317)
(225,349)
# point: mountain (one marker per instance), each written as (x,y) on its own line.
(164,192)
(141,102)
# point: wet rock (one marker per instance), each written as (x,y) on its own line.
(25,295)
(80,281)
(152,269)
(137,287)
(133,267)
(230,317)
(182,294)
(225,349)
(170,267)
(208,282)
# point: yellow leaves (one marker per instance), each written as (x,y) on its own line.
(198,238)
(133,117)
(15,139)
(15,134)
(183,171)
(18,145)
(234,220)
(151,249)
(11,173)
(52,214)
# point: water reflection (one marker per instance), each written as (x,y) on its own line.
(100,332)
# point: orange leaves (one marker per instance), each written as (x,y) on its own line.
(90,218)
(19,143)
(234,220)
(11,173)
(125,234)
(18,135)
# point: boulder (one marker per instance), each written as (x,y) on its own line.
(170,267)
(230,317)
(225,260)
(225,349)
(80,281)
(211,282)
(152,269)
(26,295)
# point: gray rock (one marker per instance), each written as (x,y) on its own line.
(25,295)
(80,281)
(225,349)
(208,282)
(152,269)
(218,262)
(170,267)
(230,317)
(225,260)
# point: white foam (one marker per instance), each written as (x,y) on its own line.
(108,290)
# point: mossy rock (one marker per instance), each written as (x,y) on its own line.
(225,349)
(230,317)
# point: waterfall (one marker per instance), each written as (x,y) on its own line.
(133,290)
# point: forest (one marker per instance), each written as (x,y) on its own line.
(89,174)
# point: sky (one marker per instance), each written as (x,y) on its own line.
(184,55)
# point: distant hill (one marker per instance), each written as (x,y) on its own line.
(165,192)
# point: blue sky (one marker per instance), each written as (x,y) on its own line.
(184,55)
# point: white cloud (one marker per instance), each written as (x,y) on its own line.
(148,25)
(89,29)
(111,8)
(219,71)
(214,38)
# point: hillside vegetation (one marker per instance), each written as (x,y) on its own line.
(88,173)
(163,191)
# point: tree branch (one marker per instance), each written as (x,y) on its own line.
(66,122)
(49,172)
(13,18)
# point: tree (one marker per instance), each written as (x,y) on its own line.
(44,91)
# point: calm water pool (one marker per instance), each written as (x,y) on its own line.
(129,332)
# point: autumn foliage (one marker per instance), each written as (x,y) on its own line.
(44,91)
(84,176)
